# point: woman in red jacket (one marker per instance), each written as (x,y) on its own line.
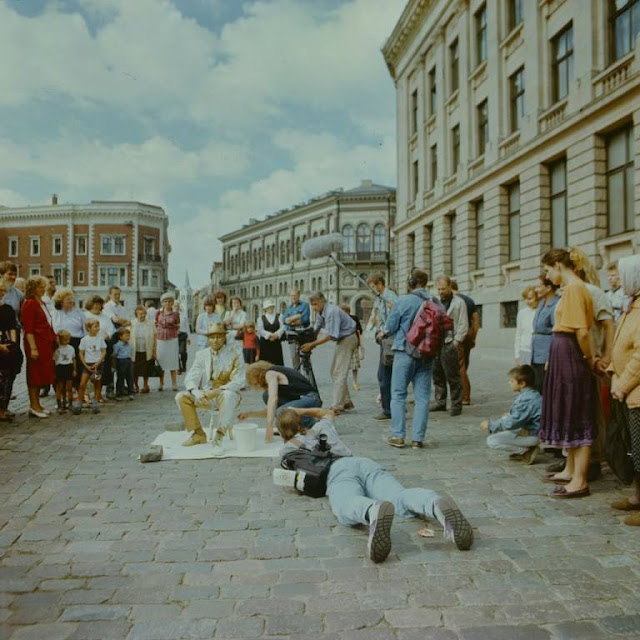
(39,343)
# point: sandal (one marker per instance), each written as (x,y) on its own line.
(561,492)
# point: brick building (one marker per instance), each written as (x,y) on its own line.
(90,246)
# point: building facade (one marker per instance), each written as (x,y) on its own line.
(518,128)
(89,247)
(264,258)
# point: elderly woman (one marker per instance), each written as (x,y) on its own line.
(569,397)
(524,326)
(543,321)
(270,331)
(625,367)
(39,343)
(167,347)
(143,339)
(67,317)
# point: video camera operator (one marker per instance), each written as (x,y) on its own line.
(296,316)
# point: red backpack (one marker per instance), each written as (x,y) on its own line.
(428,330)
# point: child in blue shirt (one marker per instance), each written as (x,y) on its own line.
(517,432)
(123,357)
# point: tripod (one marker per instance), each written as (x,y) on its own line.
(306,367)
(300,337)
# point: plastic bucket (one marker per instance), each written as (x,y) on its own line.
(245,436)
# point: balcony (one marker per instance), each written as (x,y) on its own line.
(365,256)
(149,257)
(617,74)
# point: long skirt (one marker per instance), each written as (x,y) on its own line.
(168,354)
(569,397)
(141,365)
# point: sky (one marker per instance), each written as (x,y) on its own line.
(216,110)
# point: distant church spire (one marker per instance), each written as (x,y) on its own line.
(187,285)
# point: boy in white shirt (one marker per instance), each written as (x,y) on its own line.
(93,350)
(64,358)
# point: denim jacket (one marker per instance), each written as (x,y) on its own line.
(402,314)
(524,413)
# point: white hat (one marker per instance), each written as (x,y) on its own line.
(167,296)
(268,303)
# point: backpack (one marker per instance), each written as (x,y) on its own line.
(312,467)
(428,330)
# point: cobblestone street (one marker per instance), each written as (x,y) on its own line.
(95,544)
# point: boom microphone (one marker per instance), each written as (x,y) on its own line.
(322,246)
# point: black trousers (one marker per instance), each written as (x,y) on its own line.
(124,374)
(182,349)
(446,370)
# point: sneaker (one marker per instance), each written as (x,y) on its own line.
(217,450)
(396,442)
(456,526)
(380,521)
(382,417)
(416,444)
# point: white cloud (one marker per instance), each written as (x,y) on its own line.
(9,198)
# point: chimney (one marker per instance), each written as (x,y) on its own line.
(54,199)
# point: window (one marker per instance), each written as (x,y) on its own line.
(298,250)
(415,180)
(481,34)
(34,245)
(562,46)
(620,187)
(112,245)
(453,65)
(283,254)
(363,238)
(34,270)
(625,26)
(514,13)
(453,238)
(516,82)
(80,276)
(429,241)
(112,275)
(58,275)
(483,126)
(379,238)
(509,314)
(155,279)
(56,248)
(433,92)
(349,239)
(81,245)
(514,221)
(434,165)
(455,148)
(479,207)
(414,112)
(13,247)
(149,246)
(144,279)
(558,177)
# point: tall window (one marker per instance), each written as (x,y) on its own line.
(625,26)
(434,165)
(379,238)
(298,250)
(516,83)
(620,187)
(562,46)
(363,238)
(414,112)
(349,239)
(429,239)
(514,221)
(56,249)
(453,241)
(58,275)
(34,245)
(112,245)
(81,245)
(149,246)
(433,92)
(415,179)
(455,148)
(481,34)
(483,125)
(559,229)
(13,247)
(479,207)
(454,61)
(514,13)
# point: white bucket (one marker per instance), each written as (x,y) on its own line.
(245,436)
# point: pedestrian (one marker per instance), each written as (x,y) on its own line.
(143,339)
(270,332)
(151,310)
(235,321)
(204,320)
(382,305)
(93,351)
(615,292)
(358,353)
(523,343)
(446,365)
(568,400)
(13,297)
(64,358)
(47,298)
(167,349)
(183,337)
(296,316)
(220,301)
(9,349)
(625,370)
(517,432)
(250,351)
(67,317)
(123,363)
(341,329)
(116,312)
(543,321)
(469,342)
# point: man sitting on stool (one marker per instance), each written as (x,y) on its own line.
(213,382)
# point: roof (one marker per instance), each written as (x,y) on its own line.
(369,188)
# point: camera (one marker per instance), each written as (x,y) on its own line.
(301,336)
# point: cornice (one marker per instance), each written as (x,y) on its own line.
(62,214)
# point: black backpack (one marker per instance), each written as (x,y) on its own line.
(617,450)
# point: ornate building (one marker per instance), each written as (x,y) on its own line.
(518,130)
(264,258)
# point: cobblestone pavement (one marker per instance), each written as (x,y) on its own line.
(95,544)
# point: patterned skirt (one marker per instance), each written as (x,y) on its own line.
(568,400)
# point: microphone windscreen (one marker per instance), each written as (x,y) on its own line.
(322,246)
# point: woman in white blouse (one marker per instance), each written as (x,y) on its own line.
(524,326)
(67,317)
(204,320)
(235,319)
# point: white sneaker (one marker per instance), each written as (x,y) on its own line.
(217,450)
(380,521)
(284,478)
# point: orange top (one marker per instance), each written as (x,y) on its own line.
(575,309)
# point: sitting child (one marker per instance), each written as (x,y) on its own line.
(517,432)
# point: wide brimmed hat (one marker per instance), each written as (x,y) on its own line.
(268,303)
(216,329)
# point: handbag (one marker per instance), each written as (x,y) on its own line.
(386,351)
(617,449)
(239,335)
(155,370)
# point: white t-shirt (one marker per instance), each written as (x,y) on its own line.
(92,346)
(64,354)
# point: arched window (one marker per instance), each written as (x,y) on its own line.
(260,257)
(379,238)
(301,286)
(363,238)
(313,284)
(349,240)
(320,284)
(255,259)
(288,250)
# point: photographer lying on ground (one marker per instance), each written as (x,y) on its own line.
(360,490)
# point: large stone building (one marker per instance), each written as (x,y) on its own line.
(90,246)
(518,126)
(264,258)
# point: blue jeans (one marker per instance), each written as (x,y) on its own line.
(307,401)
(354,484)
(406,370)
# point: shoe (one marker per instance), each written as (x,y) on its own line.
(336,410)
(349,406)
(624,505)
(396,442)
(557,466)
(111,394)
(561,492)
(466,402)
(633,520)
(144,390)
(594,471)
(76,410)
(37,414)
(380,521)
(456,526)
(438,407)
(44,392)
(217,450)
(131,397)
(416,444)
(382,417)
(531,454)
(94,407)
(455,412)
(197,437)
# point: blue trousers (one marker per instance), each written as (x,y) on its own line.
(305,402)
(354,484)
